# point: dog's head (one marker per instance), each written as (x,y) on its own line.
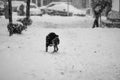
(57,35)
(52,33)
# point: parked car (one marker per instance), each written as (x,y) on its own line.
(54,9)
(34,10)
(59,13)
(45,9)
(61,8)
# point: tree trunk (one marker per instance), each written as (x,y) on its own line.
(28,9)
(10,11)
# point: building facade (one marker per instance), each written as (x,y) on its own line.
(116,5)
(77,3)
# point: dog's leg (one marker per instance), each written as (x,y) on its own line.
(53,48)
(56,48)
(46,48)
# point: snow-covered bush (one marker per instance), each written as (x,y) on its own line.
(15,28)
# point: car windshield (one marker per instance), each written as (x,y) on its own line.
(51,5)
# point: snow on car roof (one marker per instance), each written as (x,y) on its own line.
(64,6)
(56,3)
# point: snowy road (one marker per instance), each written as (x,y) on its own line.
(84,53)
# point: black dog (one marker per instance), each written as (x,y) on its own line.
(52,39)
(16,28)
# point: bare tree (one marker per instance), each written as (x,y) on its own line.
(27,20)
(10,11)
(28,9)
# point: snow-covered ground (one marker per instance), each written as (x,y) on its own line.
(84,53)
